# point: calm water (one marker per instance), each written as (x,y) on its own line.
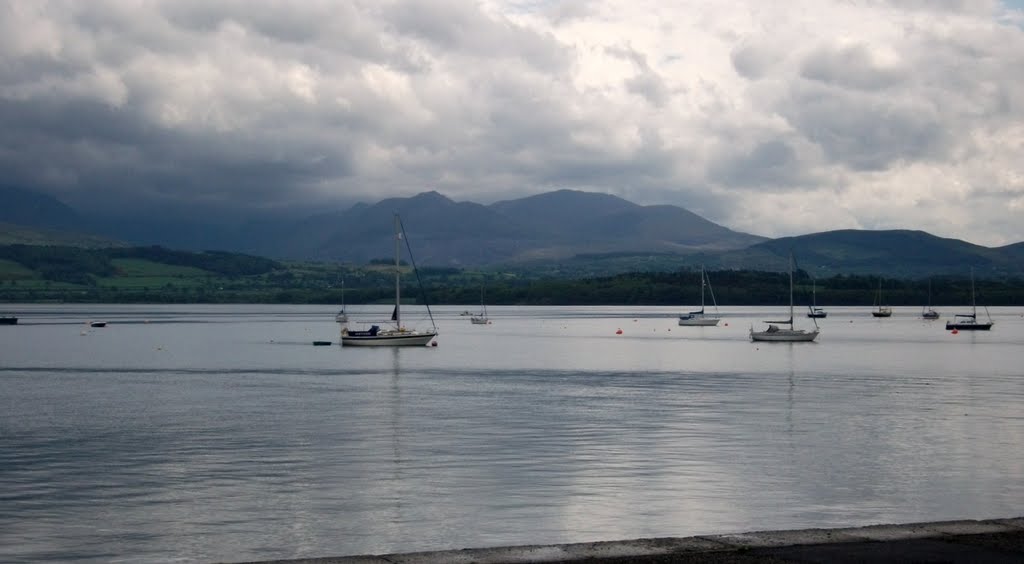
(219,433)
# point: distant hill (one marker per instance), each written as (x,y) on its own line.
(33,209)
(890,253)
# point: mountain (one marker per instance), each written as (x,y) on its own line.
(443,232)
(564,233)
(562,213)
(891,253)
(32,218)
(552,226)
(33,209)
(604,223)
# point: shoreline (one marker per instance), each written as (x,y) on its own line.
(973,541)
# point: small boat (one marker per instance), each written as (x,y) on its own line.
(97,324)
(321,343)
(814,311)
(465,313)
(341,316)
(927,312)
(698,318)
(881,310)
(8,320)
(481,319)
(774,333)
(397,335)
(969,321)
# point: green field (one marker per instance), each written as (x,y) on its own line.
(10,270)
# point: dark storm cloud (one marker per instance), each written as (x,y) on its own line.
(867,132)
(771,163)
(850,67)
(247,104)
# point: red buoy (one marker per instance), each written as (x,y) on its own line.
(619,332)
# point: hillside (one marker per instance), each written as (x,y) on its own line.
(11,234)
(892,253)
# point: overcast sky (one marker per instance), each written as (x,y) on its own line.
(775,118)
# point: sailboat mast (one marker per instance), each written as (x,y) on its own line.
(974,306)
(398,272)
(790,290)
(702,279)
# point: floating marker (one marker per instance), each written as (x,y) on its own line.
(955,331)
(433,343)
(619,332)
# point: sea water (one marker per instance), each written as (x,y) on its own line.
(220,433)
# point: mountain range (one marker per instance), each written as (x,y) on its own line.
(582,233)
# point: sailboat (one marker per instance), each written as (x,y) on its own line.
(482,318)
(881,310)
(815,312)
(969,321)
(398,335)
(927,312)
(697,318)
(341,316)
(776,334)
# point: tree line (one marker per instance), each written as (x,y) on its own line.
(90,275)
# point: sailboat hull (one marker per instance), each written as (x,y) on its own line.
(478,320)
(930,314)
(968,326)
(694,321)
(784,336)
(388,339)
(883,313)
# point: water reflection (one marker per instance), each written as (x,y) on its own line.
(237,440)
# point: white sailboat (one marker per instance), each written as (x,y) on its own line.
(969,321)
(481,319)
(927,312)
(776,334)
(341,316)
(398,335)
(881,310)
(815,311)
(698,318)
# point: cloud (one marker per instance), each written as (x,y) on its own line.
(881,114)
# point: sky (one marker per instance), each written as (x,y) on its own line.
(773,118)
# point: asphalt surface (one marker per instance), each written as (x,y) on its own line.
(992,541)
